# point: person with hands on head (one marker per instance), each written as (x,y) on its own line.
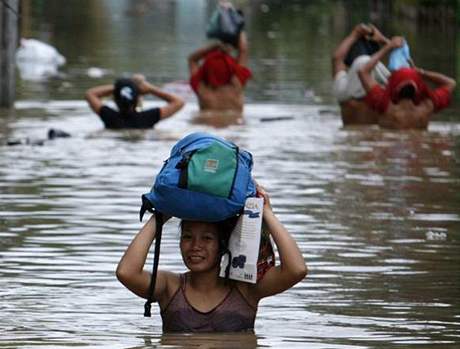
(217,78)
(199,300)
(350,55)
(406,101)
(126,94)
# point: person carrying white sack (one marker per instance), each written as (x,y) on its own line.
(351,54)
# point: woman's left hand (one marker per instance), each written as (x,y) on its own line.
(261,192)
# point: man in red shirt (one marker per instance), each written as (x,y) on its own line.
(406,101)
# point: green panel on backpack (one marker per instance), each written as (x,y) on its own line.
(211,170)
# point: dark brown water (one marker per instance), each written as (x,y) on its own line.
(376,213)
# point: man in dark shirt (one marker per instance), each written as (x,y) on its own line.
(126,93)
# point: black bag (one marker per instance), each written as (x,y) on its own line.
(361,47)
(226,24)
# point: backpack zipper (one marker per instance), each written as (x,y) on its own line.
(182,165)
(237,153)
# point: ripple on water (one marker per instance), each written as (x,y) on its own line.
(360,203)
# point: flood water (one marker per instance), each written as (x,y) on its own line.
(376,213)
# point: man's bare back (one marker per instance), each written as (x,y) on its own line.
(406,115)
(217,78)
(227,97)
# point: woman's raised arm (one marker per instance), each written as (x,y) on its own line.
(292,268)
(130,270)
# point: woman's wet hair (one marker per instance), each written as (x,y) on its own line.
(225,229)
(125,94)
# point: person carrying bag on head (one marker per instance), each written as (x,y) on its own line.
(199,300)
(217,78)
(350,55)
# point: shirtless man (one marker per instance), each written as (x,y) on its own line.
(219,80)
(347,86)
(406,101)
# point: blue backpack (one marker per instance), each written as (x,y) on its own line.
(206,178)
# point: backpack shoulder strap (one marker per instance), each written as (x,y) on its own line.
(156,259)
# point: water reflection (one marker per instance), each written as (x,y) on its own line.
(218,119)
(234,340)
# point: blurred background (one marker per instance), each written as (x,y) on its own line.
(291,41)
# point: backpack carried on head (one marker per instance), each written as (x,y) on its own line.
(226,24)
(361,47)
(206,178)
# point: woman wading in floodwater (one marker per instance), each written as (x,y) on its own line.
(199,300)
